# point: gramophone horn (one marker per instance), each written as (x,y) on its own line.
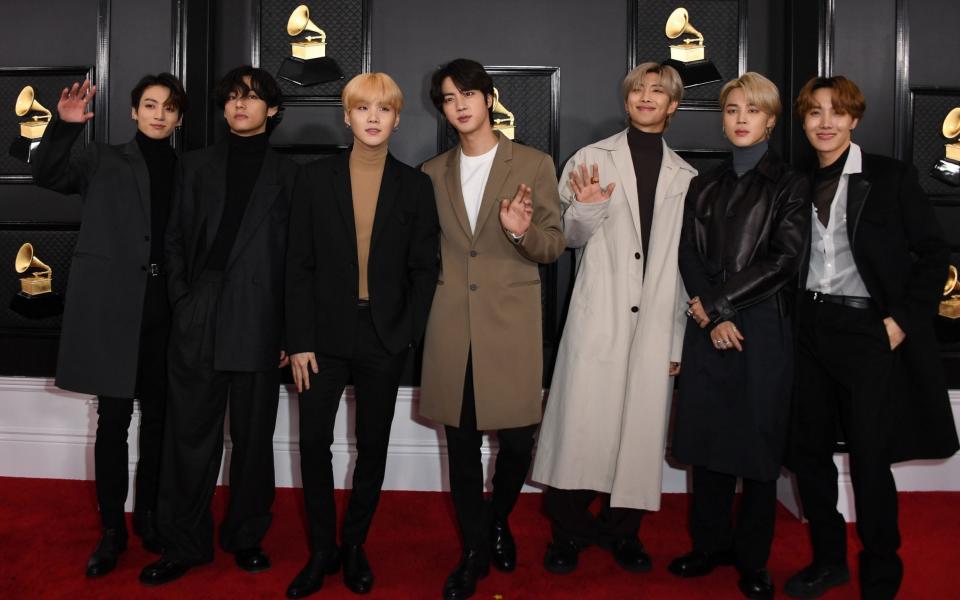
(26,102)
(952,282)
(299,22)
(679,23)
(951,125)
(26,260)
(500,109)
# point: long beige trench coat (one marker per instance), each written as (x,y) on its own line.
(488,295)
(608,404)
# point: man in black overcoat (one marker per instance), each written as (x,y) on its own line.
(225,248)
(117,319)
(867,358)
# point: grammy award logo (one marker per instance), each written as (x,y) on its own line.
(689,56)
(41,275)
(308,63)
(950,305)
(947,168)
(312,46)
(503,119)
(31,129)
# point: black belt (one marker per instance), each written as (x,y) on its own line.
(363,303)
(860,302)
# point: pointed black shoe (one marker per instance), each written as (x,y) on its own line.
(698,564)
(145,527)
(815,580)
(462,582)
(561,557)
(503,550)
(310,578)
(252,560)
(756,584)
(357,574)
(162,571)
(630,555)
(104,558)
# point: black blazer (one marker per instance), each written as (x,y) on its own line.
(100,336)
(322,272)
(903,259)
(250,310)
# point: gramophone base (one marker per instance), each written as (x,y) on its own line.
(694,73)
(309,72)
(23,148)
(39,306)
(947,171)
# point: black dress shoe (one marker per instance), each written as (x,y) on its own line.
(145,526)
(162,571)
(252,560)
(503,550)
(104,558)
(630,555)
(698,564)
(310,578)
(462,582)
(561,556)
(815,580)
(357,574)
(756,584)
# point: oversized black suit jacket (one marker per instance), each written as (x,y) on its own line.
(249,322)
(902,258)
(100,336)
(322,271)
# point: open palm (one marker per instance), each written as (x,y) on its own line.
(73,102)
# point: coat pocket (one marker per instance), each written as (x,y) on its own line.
(523,283)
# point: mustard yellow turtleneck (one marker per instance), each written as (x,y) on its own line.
(366,172)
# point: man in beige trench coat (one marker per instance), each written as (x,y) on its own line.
(607,409)
(482,359)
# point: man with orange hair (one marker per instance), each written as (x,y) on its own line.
(866,353)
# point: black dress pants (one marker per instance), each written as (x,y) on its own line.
(711,515)
(193,441)
(844,367)
(110,454)
(571,519)
(466,470)
(376,377)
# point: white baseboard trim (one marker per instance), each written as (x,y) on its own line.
(46,432)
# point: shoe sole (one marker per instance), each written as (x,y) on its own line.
(827,586)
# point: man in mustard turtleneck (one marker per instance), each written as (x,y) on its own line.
(362,267)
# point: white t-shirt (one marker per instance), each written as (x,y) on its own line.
(474,171)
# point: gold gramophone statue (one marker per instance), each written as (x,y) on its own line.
(41,275)
(689,57)
(503,119)
(308,63)
(950,305)
(947,168)
(32,129)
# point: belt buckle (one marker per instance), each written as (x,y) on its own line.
(818,296)
(154,270)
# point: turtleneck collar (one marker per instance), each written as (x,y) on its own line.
(642,140)
(254,144)
(151,147)
(368,156)
(834,169)
(745,159)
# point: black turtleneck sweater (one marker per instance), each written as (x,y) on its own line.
(646,150)
(161,161)
(825,182)
(244,159)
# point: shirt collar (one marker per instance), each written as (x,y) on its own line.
(854,162)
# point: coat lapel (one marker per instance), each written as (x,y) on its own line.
(498,176)
(454,192)
(343,195)
(386,199)
(858,188)
(264,194)
(213,195)
(623,162)
(139,166)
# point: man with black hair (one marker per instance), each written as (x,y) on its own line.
(116,319)
(225,250)
(483,353)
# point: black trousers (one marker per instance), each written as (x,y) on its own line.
(466,470)
(571,519)
(193,441)
(376,378)
(711,517)
(844,364)
(110,454)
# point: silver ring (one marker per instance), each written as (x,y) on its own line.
(689,312)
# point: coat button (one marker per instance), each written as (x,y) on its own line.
(634,309)
(636,255)
(473,287)
(473,253)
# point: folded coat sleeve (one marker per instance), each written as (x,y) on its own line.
(580,219)
(54,168)
(544,241)
(300,318)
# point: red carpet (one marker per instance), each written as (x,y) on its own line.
(49,527)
